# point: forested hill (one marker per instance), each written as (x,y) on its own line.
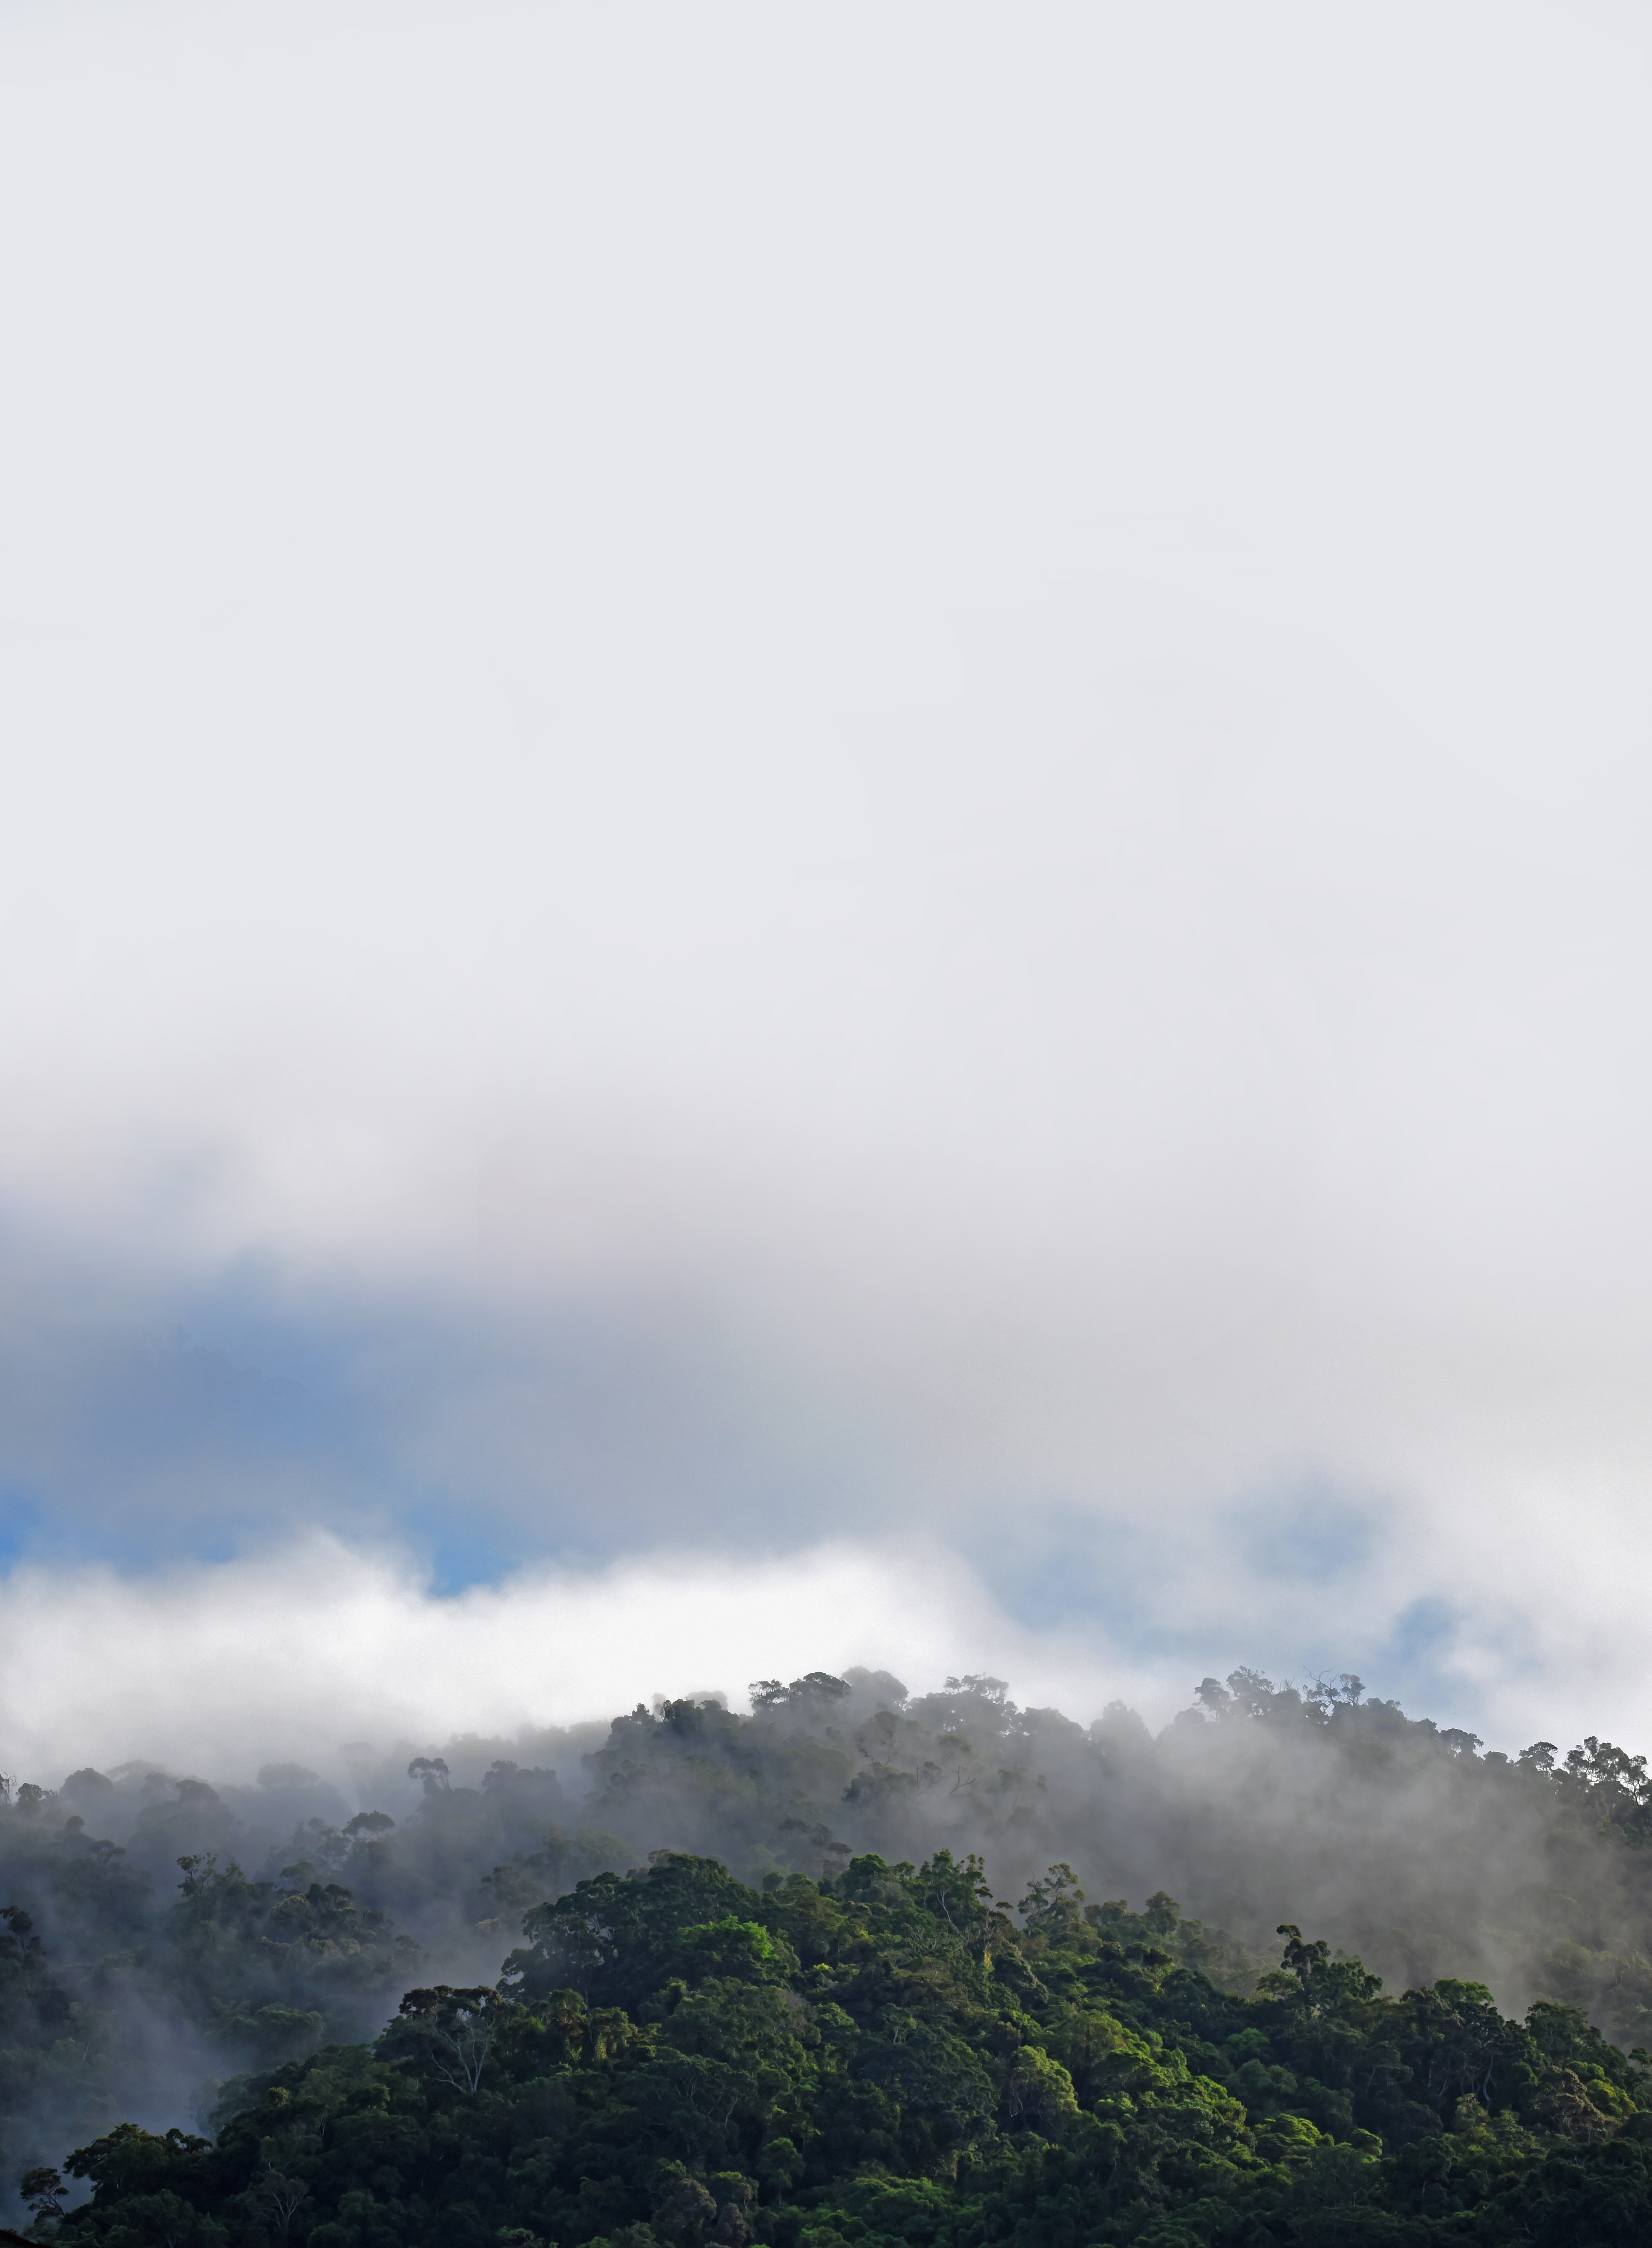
(165,1939)
(673,2059)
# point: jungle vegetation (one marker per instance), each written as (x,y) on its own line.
(705,1980)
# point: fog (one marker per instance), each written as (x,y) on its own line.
(172,1939)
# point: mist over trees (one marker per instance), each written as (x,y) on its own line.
(172,1952)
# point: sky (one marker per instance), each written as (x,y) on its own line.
(824,840)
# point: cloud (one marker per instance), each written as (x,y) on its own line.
(774,776)
(221,1668)
(310,1649)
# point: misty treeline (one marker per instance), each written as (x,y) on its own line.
(177,1955)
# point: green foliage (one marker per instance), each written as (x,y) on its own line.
(233,1974)
(888,2056)
(810,2020)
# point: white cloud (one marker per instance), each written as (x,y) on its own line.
(220,1667)
(217,1667)
(959,692)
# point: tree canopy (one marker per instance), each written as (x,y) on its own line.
(891,2055)
(697,1980)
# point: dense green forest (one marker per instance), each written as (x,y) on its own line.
(697,1980)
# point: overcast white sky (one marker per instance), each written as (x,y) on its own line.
(869,777)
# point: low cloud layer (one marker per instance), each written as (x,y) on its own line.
(223,1668)
(320,1651)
